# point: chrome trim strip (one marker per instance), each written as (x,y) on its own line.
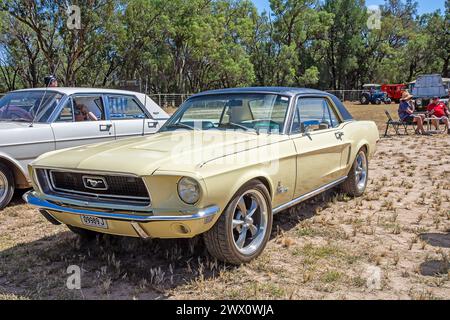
(32,198)
(308,195)
(26,143)
(107,206)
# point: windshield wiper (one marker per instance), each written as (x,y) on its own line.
(180,125)
(19,120)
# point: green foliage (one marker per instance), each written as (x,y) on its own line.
(194,45)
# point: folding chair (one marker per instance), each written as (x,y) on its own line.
(396,124)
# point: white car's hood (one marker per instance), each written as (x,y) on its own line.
(8,125)
(17,132)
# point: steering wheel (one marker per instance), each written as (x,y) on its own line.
(232,124)
(272,123)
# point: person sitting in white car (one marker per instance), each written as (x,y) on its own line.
(82,113)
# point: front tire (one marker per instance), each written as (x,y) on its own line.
(356,182)
(244,228)
(6,185)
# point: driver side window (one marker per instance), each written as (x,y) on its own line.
(314,114)
(66,114)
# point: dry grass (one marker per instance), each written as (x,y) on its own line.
(324,248)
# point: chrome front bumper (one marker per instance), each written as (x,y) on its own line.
(59,205)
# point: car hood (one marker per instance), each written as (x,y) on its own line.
(177,151)
(8,125)
(15,132)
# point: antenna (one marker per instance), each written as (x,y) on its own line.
(145,107)
(40,105)
(43,97)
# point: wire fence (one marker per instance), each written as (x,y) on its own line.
(174,100)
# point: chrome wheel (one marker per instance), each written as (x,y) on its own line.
(3,187)
(250,220)
(361,171)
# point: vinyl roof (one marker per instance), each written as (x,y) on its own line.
(277,90)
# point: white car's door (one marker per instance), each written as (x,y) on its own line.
(129,117)
(82,121)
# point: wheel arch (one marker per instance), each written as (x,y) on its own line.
(20,176)
(249,176)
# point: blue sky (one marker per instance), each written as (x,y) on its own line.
(425,6)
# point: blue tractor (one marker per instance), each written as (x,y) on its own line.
(372,94)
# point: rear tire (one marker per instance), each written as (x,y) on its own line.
(6,185)
(356,182)
(244,228)
(364,99)
(84,233)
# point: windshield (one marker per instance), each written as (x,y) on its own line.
(247,112)
(23,106)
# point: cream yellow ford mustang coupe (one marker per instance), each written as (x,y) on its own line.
(222,166)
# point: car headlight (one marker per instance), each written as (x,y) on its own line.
(419,102)
(189,190)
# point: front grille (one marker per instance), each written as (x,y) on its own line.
(115,188)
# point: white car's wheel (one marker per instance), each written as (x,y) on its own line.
(242,231)
(356,182)
(6,185)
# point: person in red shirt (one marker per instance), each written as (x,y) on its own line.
(439,112)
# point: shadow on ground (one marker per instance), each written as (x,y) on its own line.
(437,239)
(118,267)
(435,267)
(17,197)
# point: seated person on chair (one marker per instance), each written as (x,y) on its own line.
(406,113)
(82,113)
(438,111)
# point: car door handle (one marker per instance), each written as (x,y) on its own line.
(152,125)
(105,127)
(339,135)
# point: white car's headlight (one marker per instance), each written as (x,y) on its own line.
(189,190)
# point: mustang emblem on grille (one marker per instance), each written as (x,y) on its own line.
(95,183)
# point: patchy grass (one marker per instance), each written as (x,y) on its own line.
(324,248)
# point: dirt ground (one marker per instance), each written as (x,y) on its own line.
(392,243)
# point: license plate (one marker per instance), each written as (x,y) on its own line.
(94,222)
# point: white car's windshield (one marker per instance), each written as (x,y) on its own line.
(28,106)
(248,112)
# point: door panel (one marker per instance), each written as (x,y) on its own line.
(72,134)
(76,126)
(319,159)
(321,145)
(129,118)
(151,126)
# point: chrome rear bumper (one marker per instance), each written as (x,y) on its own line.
(32,198)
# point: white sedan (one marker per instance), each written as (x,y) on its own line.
(36,121)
